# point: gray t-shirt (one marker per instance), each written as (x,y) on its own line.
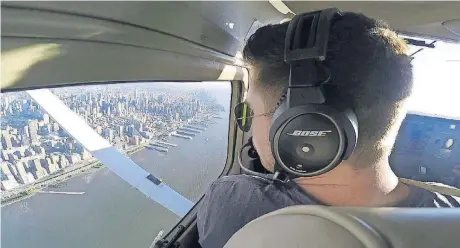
(232,202)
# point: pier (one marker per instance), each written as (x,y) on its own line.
(158,145)
(157,148)
(166,143)
(194,127)
(186,133)
(204,123)
(190,130)
(181,136)
(61,192)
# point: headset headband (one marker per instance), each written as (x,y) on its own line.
(306,45)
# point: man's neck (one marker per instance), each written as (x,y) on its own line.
(375,185)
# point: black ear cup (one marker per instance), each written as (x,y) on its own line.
(309,140)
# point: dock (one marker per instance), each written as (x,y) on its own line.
(61,192)
(181,136)
(194,127)
(160,149)
(186,133)
(190,130)
(166,143)
(158,145)
(202,123)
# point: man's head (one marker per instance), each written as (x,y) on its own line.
(370,70)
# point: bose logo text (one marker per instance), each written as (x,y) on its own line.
(301,133)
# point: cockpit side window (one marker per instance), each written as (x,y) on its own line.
(59,188)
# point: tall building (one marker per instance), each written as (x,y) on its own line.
(99,129)
(29,152)
(63,161)
(4,171)
(55,158)
(46,118)
(85,154)
(55,127)
(25,131)
(7,179)
(19,153)
(6,141)
(130,130)
(108,134)
(121,131)
(23,176)
(5,155)
(74,158)
(38,149)
(120,108)
(33,131)
(140,127)
(36,169)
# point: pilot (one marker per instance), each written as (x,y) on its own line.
(372,73)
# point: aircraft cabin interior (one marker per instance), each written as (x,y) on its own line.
(116,118)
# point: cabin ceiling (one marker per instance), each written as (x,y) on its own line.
(154,41)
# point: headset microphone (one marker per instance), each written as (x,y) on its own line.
(252,153)
(308,136)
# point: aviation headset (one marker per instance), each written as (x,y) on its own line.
(309,137)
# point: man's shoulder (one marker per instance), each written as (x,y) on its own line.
(443,199)
(229,204)
(239,187)
(239,180)
(431,194)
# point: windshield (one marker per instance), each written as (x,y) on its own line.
(436,80)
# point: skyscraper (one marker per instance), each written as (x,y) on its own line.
(63,161)
(33,131)
(85,154)
(23,176)
(99,129)
(36,168)
(121,131)
(46,118)
(55,127)
(6,141)
(25,131)
(7,180)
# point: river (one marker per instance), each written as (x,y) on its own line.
(111,213)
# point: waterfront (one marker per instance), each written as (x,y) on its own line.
(111,213)
(25,191)
(34,147)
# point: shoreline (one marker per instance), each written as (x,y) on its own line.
(31,189)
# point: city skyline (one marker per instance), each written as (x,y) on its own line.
(34,146)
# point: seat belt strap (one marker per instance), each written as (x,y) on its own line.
(446,190)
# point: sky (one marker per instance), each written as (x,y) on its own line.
(437,81)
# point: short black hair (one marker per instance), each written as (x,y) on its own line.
(369,67)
